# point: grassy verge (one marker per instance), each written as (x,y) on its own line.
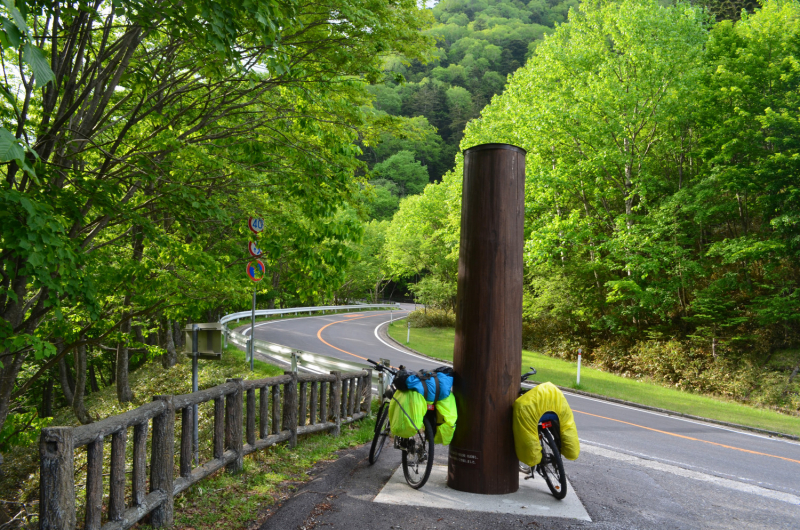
(220,502)
(438,343)
(247,499)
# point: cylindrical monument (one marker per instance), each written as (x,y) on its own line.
(487,356)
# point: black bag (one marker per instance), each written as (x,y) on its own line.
(401,378)
(446,370)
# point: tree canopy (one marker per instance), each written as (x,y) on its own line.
(661,179)
(138,137)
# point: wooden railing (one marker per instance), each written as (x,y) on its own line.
(307,404)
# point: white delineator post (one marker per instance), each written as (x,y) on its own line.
(408,334)
(579,365)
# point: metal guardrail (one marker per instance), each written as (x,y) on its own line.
(306,361)
(296,310)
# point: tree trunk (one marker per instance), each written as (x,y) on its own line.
(93,379)
(65,377)
(8,375)
(178,335)
(794,373)
(47,399)
(170,358)
(124,393)
(137,330)
(78,406)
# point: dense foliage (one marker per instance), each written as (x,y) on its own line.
(136,137)
(479,43)
(662,197)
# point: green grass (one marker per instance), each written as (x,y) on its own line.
(246,499)
(438,343)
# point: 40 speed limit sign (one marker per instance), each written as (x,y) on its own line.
(256,224)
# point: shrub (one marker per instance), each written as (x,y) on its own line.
(432,318)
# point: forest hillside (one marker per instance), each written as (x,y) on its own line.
(662,210)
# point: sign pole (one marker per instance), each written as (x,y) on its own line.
(253,330)
(195,433)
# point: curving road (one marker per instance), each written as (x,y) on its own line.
(761,472)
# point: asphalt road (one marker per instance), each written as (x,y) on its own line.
(753,477)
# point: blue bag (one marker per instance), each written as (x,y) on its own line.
(426,385)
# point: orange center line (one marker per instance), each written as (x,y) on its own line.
(690,438)
(319,334)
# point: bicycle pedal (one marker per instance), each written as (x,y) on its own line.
(529,477)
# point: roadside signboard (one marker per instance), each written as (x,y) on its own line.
(256,224)
(256,270)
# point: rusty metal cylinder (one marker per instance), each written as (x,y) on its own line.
(487,355)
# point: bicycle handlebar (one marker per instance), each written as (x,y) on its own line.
(381,367)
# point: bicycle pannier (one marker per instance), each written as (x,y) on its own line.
(406,412)
(528,409)
(446,416)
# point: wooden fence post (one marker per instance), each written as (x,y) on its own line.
(162,462)
(116,498)
(276,409)
(344,400)
(251,416)
(301,416)
(313,399)
(368,396)
(290,407)
(139,475)
(233,425)
(323,402)
(263,412)
(57,484)
(336,402)
(94,485)
(219,427)
(187,432)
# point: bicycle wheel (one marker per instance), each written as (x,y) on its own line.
(551,468)
(418,462)
(381,433)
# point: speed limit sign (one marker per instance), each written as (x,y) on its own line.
(256,224)
(254,250)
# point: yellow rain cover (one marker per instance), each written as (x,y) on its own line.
(414,404)
(446,416)
(527,411)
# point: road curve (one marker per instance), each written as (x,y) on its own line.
(733,460)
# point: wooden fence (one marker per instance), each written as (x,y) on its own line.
(308,403)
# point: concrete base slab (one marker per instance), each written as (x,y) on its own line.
(532,498)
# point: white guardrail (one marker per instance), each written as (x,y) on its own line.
(306,361)
(296,310)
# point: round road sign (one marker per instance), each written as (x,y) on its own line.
(255,224)
(256,270)
(253,249)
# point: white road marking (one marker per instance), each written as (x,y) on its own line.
(684,465)
(695,475)
(403,351)
(687,420)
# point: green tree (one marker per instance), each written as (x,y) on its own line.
(137,140)
(404,171)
